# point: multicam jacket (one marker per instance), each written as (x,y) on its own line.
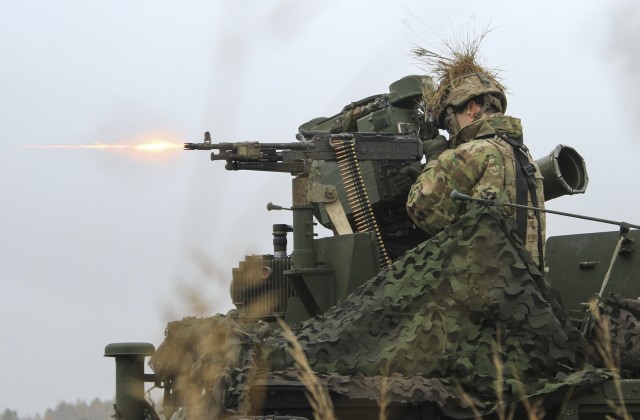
(480,164)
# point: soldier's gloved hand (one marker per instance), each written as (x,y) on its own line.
(433,148)
(404,178)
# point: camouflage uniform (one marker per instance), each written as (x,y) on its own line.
(480,164)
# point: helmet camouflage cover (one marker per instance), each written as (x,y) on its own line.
(464,88)
(460,78)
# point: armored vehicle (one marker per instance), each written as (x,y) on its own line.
(379,321)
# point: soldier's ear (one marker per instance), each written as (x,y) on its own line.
(472,108)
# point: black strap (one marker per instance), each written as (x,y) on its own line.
(522,189)
(525,183)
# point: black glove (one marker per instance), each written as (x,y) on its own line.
(434,147)
(404,178)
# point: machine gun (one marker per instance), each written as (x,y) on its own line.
(296,157)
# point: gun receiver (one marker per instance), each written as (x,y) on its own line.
(296,157)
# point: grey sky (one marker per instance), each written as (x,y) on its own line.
(99,246)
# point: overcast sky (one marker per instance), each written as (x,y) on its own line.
(103,246)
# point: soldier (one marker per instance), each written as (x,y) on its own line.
(485,157)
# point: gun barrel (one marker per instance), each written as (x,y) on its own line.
(198,146)
(302,145)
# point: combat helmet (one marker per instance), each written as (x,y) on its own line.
(459,79)
(460,90)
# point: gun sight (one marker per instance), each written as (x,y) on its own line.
(200,146)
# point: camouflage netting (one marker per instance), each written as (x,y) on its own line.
(429,322)
(618,319)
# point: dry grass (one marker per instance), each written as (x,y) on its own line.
(499,382)
(534,410)
(457,58)
(467,399)
(383,400)
(609,357)
(317,394)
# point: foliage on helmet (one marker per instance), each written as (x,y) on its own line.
(459,77)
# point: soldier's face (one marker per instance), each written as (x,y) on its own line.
(468,114)
(450,124)
(464,119)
